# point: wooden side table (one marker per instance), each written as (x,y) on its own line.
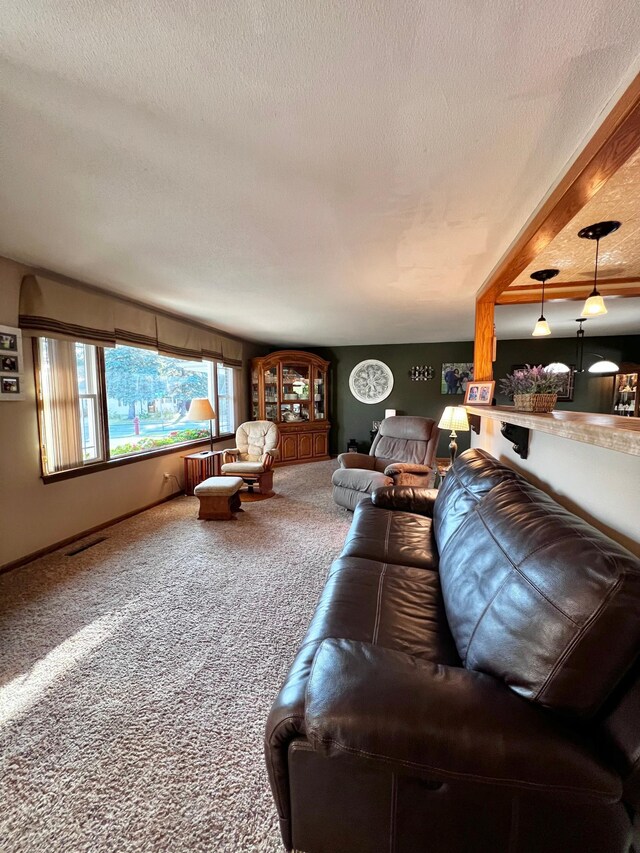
(200,466)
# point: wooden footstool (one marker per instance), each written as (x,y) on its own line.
(218,497)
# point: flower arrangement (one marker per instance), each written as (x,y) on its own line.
(533,389)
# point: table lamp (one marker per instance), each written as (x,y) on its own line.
(202,410)
(454,418)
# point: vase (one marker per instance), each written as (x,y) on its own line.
(534,402)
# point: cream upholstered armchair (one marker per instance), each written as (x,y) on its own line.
(253,458)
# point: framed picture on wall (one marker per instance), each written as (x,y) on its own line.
(565,394)
(10,364)
(455,377)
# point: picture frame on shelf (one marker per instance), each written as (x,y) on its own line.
(479,393)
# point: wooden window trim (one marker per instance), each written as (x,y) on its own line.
(107,464)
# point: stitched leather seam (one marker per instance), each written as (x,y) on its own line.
(492,780)
(482,615)
(376,624)
(576,529)
(386,538)
(524,577)
(578,636)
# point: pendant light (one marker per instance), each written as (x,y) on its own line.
(603,366)
(594,305)
(541,328)
(580,345)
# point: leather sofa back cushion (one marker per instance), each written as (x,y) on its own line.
(540,599)
(475,472)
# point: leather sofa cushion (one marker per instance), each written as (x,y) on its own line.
(403,538)
(396,607)
(419,717)
(472,476)
(359,479)
(539,598)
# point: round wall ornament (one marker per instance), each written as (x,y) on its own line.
(371,381)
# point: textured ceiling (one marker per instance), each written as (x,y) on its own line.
(619,258)
(299,172)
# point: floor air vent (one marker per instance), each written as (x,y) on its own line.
(84,547)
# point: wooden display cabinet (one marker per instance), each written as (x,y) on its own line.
(290,388)
(626,400)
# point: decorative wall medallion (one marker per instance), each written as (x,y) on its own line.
(421,373)
(371,381)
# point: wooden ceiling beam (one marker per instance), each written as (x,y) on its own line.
(525,297)
(617,138)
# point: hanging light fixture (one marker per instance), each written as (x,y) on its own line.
(558,367)
(541,328)
(580,345)
(594,305)
(604,365)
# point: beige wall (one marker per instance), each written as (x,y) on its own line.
(602,486)
(34,515)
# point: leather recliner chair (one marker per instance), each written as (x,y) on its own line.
(402,454)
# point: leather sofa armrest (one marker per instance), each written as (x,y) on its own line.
(406,468)
(357,460)
(405,498)
(414,716)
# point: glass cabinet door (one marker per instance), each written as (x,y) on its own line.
(295,392)
(319,393)
(271,393)
(625,398)
(255,395)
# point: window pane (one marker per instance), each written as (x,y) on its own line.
(70,422)
(148,397)
(226,400)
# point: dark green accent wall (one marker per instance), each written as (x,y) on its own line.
(592,393)
(352,419)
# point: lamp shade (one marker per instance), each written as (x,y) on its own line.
(557,367)
(541,329)
(201,410)
(604,366)
(454,418)
(594,306)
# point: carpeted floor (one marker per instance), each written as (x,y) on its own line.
(136,676)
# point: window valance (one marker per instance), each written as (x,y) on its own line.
(67,311)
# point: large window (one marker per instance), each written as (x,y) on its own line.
(103,404)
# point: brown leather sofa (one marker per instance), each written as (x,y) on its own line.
(469,681)
(403,453)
